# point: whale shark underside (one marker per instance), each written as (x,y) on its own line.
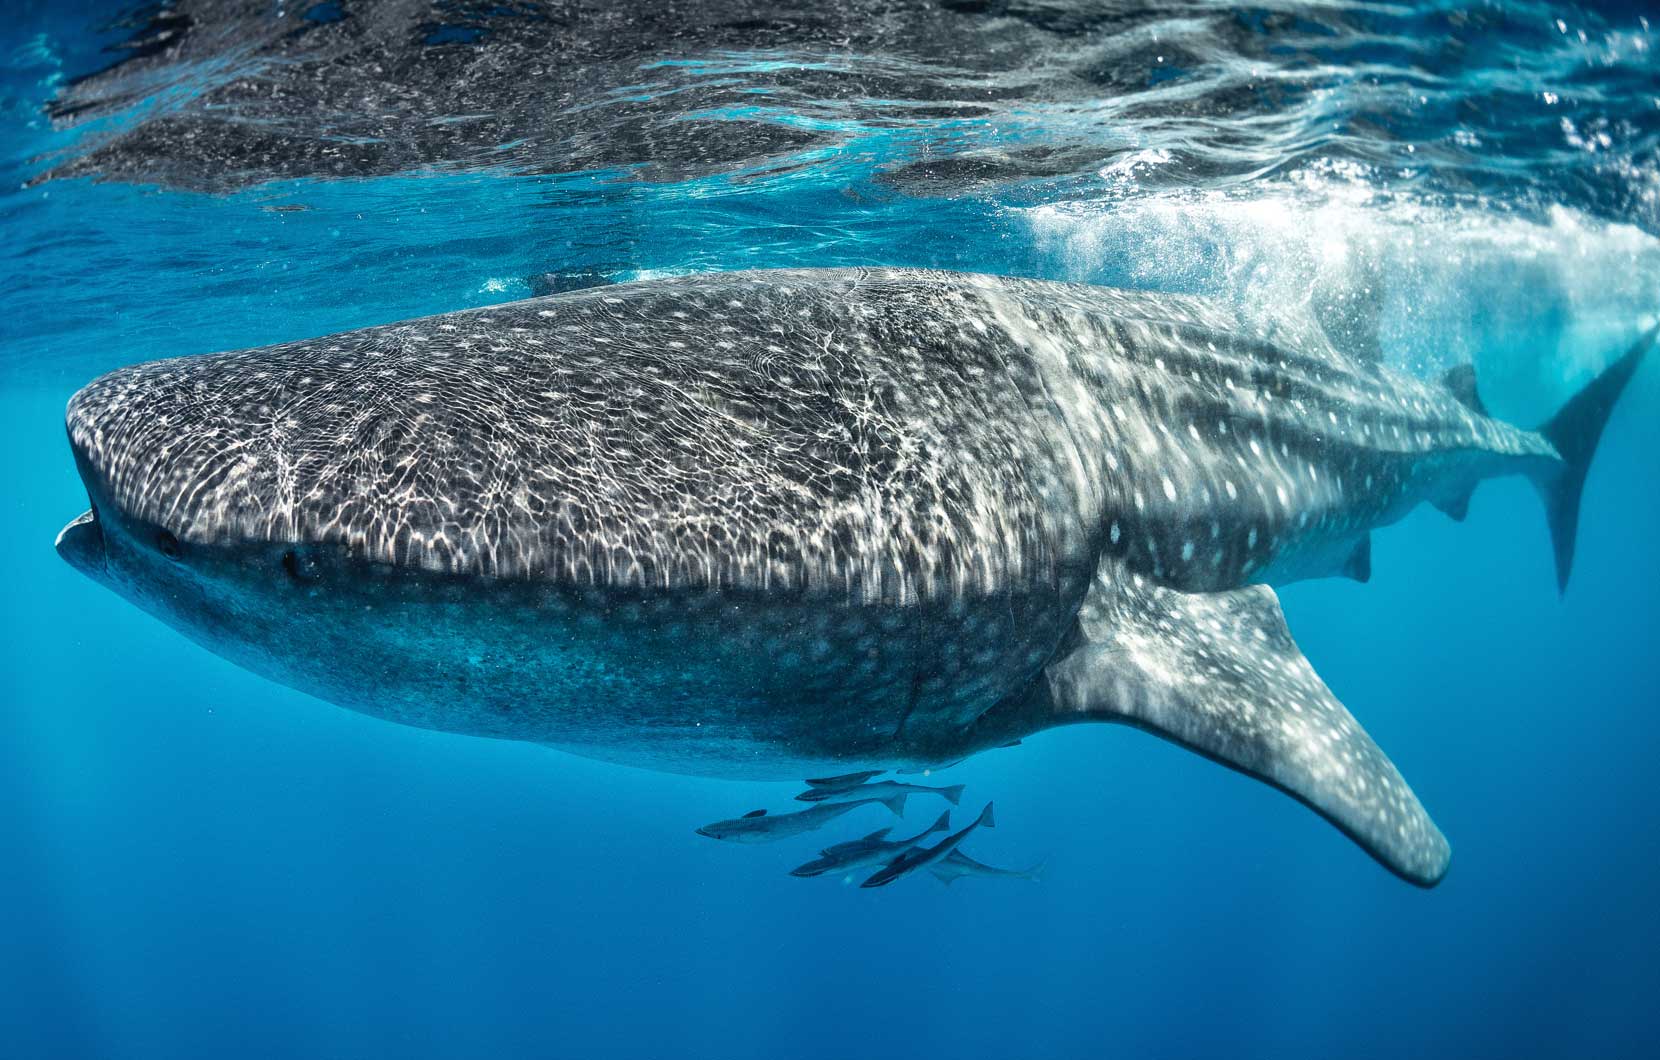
(790,523)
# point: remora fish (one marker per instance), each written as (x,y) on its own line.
(772,524)
(952,794)
(869,850)
(759,826)
(925,857)
(843,782)
(956,865)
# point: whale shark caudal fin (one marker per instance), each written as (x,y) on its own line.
(1574,431)
(1219,673)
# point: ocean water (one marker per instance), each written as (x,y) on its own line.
(200,863)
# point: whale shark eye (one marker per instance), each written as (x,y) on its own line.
(300,566)
(167,544)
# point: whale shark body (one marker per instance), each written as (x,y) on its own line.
(776,524)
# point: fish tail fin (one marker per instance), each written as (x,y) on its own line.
(1574,431)
(1035,873)
(896,803)
(953,794)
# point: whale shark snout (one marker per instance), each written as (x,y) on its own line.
(152,448)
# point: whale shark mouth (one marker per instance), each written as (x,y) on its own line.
(81,543)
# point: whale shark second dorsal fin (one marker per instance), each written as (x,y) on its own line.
(1220,674)
(1359,564)
(1456,506)
(755,813)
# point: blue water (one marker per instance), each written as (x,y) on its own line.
(202,863)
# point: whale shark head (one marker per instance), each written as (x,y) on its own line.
(224,591)
(332,530)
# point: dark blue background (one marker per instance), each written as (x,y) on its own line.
(200,863)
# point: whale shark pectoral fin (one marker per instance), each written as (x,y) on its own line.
(1219,673)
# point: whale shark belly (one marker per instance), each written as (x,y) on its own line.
(721,681)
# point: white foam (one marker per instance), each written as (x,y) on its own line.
(1538,303)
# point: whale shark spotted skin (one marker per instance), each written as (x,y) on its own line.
(783,523)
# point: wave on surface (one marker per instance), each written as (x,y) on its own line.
(1474,181)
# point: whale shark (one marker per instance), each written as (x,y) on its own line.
(792,523)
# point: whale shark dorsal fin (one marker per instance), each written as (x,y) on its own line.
(1219,673)
(1460,381)
(1346,304)
(755,813)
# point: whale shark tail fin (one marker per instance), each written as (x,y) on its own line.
(1218,673)
(1574,431)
